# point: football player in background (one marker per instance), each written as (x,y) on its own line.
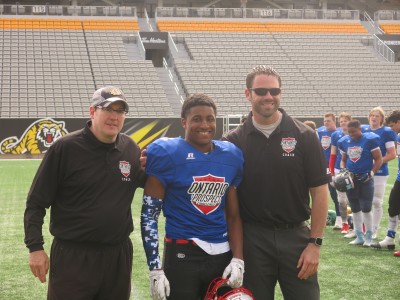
(387,139)
(324,134)
(362,157)
(393,121)
(193,181)
(311,124)
(334,167)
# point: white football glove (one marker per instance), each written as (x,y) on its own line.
(332,183)
(235,272)
(159,285)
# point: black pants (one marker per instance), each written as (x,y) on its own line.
(271,256)
(394,200)
(90,272)
(190,270)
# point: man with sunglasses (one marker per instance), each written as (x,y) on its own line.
(284,164)
(88,178)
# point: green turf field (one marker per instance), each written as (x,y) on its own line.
(346,272)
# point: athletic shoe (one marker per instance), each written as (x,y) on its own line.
(345,228)
(397,253)
(368,239)
(337,227)
(386,244)
(359,239)
(351,234)
(374,235)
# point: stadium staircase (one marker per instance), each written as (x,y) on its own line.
(324,65)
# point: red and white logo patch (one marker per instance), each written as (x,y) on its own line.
(325,142)
(125,168)
(288,144)
(354,153)
(206,192)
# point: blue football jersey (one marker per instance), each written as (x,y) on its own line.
(324,136)
(387,137)
(195,186)
(335,137)
(359,156)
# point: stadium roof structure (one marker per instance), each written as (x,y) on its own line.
(362,5)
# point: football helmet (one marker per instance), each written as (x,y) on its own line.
(233,294)
(331,218)
(344,181)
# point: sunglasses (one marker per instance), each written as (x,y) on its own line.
(264,91)
(109,110)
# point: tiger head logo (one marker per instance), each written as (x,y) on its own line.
(36,139)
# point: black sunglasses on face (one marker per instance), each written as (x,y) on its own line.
(264,91)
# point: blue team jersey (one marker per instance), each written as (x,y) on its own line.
(398,156)
(324,136)
(335,137)
(195,186)
(359,156)
(387,138)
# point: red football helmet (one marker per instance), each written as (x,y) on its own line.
(234,294)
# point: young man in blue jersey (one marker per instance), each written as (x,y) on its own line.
(393,121)
(193,181)
(324,134)
(387,139)
(334,167)
(363,158)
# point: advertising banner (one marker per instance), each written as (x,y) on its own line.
(35,136)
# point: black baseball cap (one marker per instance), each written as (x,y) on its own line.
(106,95)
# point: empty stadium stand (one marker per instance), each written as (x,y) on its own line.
(51,66)
(52,63)
(324,65)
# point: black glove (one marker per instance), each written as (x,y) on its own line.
(363,178)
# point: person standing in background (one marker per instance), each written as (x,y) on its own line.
(393,121)
(362,157)
(387,139)
(334,167)
(324,134)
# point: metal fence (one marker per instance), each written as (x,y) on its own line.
(257,13)
(61,10)
(387,15)
(383,49)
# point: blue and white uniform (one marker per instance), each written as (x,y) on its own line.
(360,162)
(359,156)
(325,138)
(387,139)
(196,184)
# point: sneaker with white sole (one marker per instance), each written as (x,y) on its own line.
(351,234)
(337,227)
(359,238)
(368,239)
(386,244)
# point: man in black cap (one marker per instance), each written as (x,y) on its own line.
(88,178)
